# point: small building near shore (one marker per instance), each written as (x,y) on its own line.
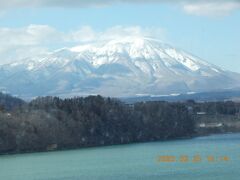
(201,113)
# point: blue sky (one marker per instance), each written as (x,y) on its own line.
(209,31)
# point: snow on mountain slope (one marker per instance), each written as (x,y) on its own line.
(121,67)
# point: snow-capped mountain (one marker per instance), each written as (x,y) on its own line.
(122,67)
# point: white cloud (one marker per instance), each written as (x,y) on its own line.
(21,42)
(194,7)
(121,31)
(34,40)
(31,35)
(84,34)
(211,8)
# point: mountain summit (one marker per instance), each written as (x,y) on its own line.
(122,67)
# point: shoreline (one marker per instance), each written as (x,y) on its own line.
(110,145)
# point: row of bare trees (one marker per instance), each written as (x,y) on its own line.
(92,121)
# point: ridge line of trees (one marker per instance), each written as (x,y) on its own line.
(48,123)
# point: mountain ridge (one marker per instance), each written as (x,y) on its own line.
(120,67)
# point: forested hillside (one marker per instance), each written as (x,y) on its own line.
(49,123)
(52,123)
(8,102)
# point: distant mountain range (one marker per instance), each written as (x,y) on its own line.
(131,66)
(230,95)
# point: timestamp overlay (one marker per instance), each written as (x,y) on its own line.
(209,157)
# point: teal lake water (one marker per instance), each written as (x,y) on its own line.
(133,162)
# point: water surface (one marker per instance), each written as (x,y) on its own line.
(135,161)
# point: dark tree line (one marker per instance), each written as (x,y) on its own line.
(8,102)
(54,123)
(219,107)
